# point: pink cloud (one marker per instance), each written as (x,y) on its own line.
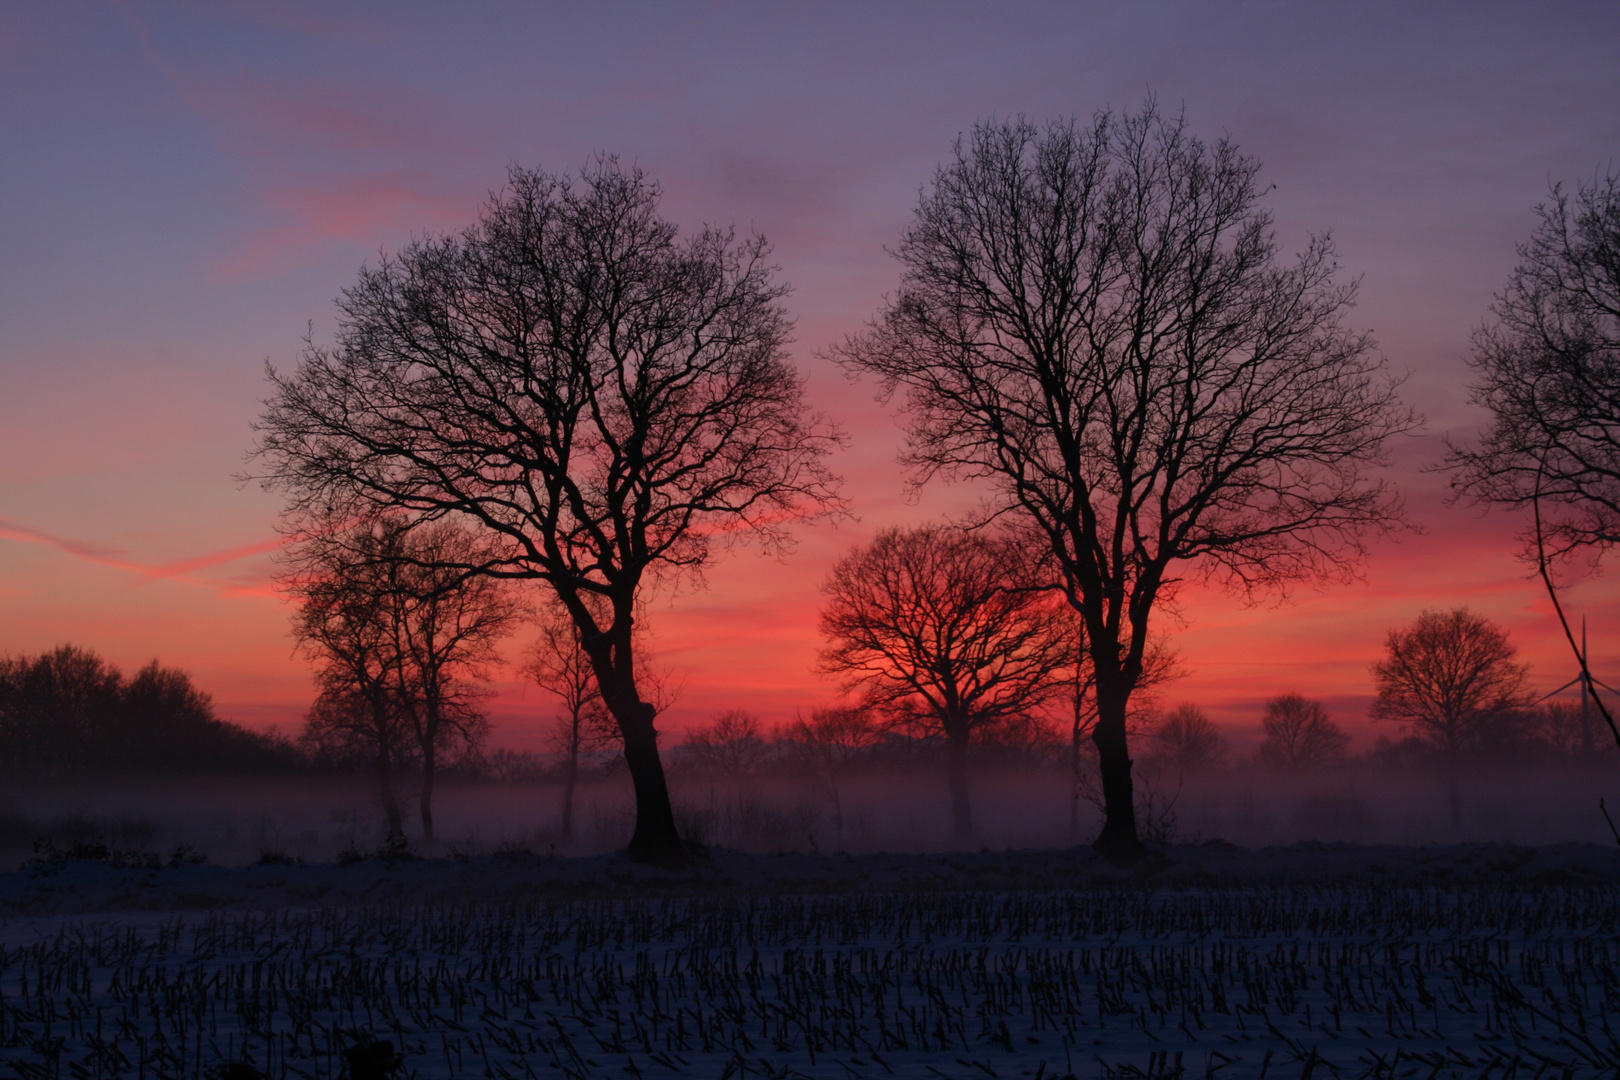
(180,570)
(101,554)
(356,213)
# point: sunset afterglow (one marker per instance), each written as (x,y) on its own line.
(187,187)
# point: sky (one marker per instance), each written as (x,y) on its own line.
(185,187)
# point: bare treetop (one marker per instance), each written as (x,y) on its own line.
(1097,319)
(568,372)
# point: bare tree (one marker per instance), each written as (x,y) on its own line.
(1448,677)
(344,628)
(1188,739)
(558,665)
(1300,735)
(449,624)
(385,608)
(604,400)
(938,627)
(1096,321)
(1572,732)
(731,746)
(1547,367)
(829,743)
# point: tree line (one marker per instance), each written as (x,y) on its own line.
(1093,320)
(69,713)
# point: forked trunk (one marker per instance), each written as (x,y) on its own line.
(1118,841)
(956,770)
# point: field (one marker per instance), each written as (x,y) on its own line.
(1321,960)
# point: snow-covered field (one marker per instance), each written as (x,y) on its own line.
(1313,960)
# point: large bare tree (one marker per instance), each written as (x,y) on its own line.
(1448,677)
(1547,366)
(606,400)
(1095,320)
(939,627)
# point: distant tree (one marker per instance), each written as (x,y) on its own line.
(1448,678)
(605,401)
(1572,732)
(396,625)
(557,663)
(1300,736)
(731,746)
(449,624)
(1188,739)
(343,624)
(506,766)
(70,711)
(53,708)
(1095,319)
(828,744)
(947,631)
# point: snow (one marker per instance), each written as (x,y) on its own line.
(1313,959)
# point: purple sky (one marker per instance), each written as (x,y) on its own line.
(183,187)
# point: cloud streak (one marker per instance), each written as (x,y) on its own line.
(119,559)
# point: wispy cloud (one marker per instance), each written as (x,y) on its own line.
(354,213)
(120,559)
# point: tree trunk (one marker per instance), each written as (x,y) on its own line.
(1074,779)
(392,816)
(570,777)
(1118,841)
(838,811)
(1454,793)
(956,769)
(429,767)
(655,839)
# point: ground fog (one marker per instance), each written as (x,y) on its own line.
(243,821)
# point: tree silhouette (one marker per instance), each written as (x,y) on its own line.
(1448,677)
(828,744)
(1300,735)
(1547,366)
(557,663)
(70,711)
(939,628)
(605,401)
(1095,320)
(1188,739)
(342,623)
(404,639)
(1548,369)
